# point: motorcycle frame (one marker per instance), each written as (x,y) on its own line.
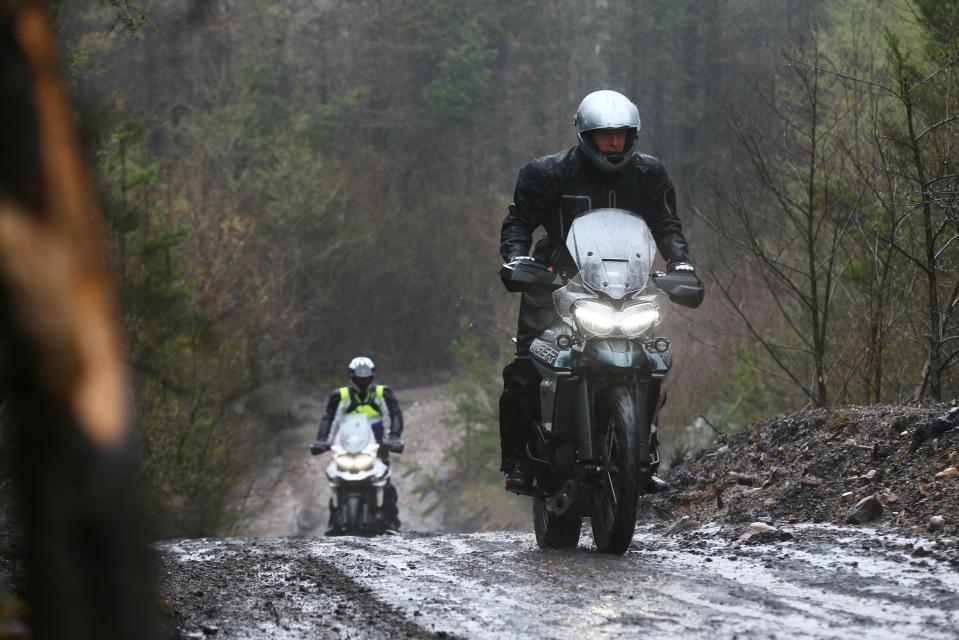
(592,364)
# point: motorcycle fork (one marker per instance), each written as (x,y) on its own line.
(584,421)
(335,495)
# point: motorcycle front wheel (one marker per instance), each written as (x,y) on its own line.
(354,515)
(617,491)
(553,531)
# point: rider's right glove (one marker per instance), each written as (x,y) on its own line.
(320,446)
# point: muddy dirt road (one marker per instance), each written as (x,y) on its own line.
(826,582)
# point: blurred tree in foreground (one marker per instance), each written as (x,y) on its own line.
(64,375)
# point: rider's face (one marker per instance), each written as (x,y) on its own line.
(610,140)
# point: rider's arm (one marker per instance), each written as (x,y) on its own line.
(660,214)
(396,416)
(327,420)
(532,200)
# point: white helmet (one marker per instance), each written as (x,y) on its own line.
(607,110)
(361,373)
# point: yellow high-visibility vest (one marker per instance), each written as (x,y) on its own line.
(371,405)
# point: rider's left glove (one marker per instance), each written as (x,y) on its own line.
(320,446)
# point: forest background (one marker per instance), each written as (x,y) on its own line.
(288,184)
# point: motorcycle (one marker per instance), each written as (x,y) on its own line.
(358,477)
(603,378)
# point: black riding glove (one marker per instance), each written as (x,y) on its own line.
(393,443)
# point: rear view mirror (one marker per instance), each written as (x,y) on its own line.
(524,275)
(682,288)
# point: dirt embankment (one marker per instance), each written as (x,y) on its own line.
(894,466)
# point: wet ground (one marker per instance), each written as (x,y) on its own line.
(827,581)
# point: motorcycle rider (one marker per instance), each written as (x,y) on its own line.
(377,402)
(603,170)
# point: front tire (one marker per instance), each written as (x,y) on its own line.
(554,531)
(354,515)
(617,492)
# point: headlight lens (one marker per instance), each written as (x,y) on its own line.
(354,462)
(601,320)
(594,318)
(638,319)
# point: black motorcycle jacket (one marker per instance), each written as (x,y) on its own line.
(551,191)
(392,407)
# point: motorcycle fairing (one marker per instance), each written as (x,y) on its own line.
(613,250)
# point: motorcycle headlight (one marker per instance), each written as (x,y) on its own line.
(595,318)
(354,462)
(638,319)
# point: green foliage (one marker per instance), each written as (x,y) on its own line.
(749,392)
(470,494)
(194,450)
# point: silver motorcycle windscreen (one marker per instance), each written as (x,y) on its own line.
(354,433)
(613,249)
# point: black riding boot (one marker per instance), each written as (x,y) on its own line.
(390,511)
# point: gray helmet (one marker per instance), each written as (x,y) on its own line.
(606,110)
(361,373)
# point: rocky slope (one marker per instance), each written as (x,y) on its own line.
(894,467)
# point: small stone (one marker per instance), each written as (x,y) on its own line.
(851,443)
(936,523)
(755,529)
(865,510)
(870,474)
(810,481)
(210,629)
(924,489)
(880,451)
(850,496)
(770,501)
(892,498)
(948,472)
(683,524)
(920,551)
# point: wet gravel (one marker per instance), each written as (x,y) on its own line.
(804,580)
(279,588)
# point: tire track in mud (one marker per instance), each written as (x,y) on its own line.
(828,581)
(245,589)
(824,584)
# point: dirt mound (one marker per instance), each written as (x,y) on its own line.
(892,465)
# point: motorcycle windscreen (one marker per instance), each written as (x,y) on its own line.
(613,249)
(354,433)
